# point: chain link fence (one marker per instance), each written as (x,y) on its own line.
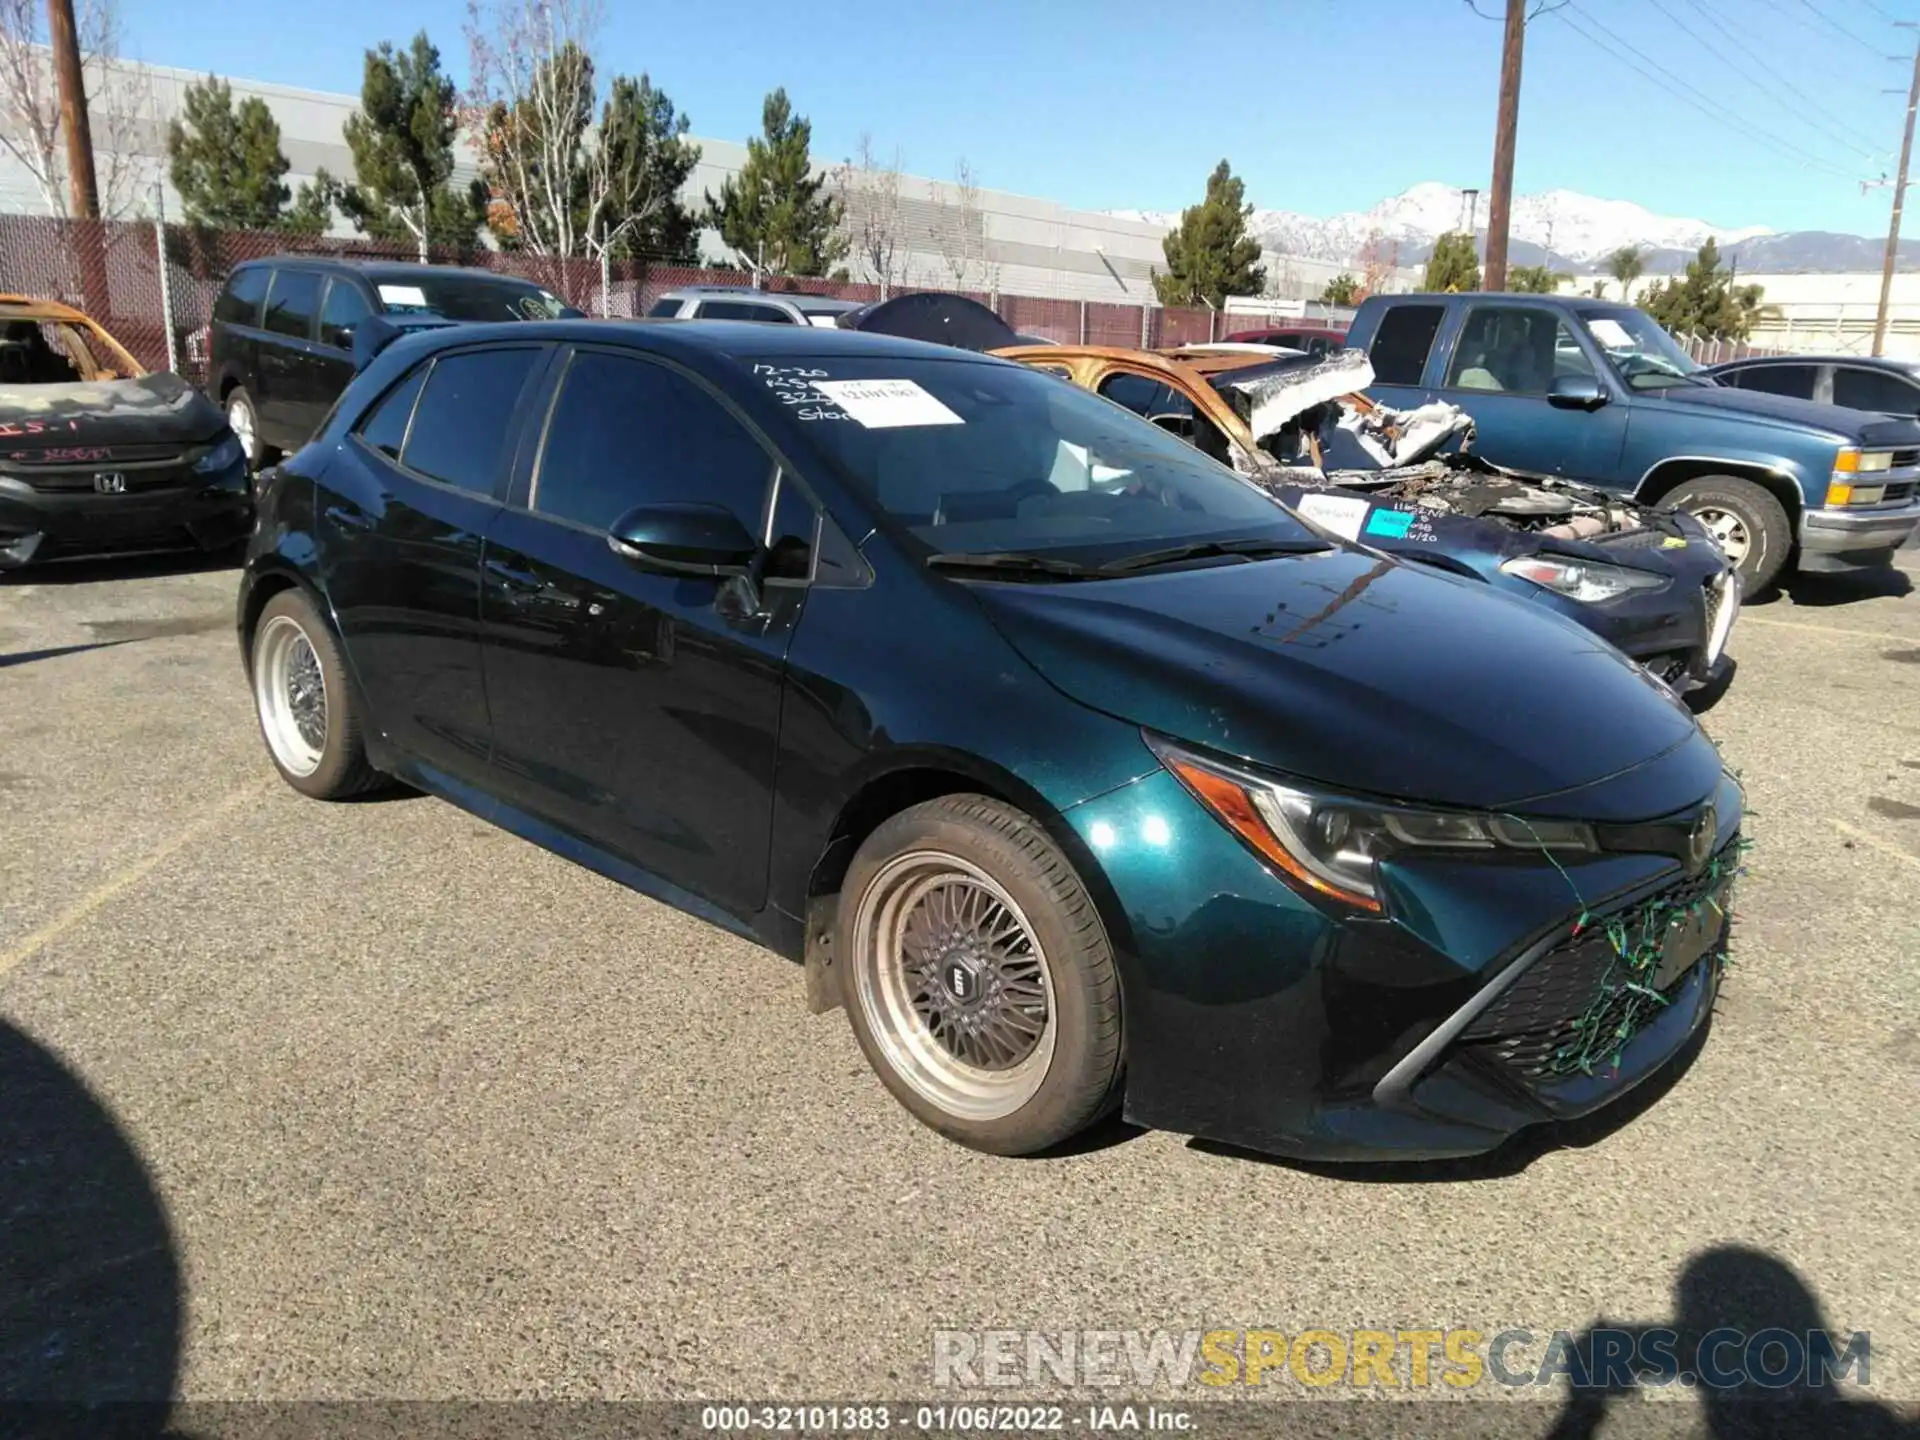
(153,285)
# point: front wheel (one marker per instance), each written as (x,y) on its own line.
(244,420)
(1747,522)
(978,976)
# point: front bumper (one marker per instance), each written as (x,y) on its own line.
(1855,538)
(204,511)
(1679,633)
(1259,1020)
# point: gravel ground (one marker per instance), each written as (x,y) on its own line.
(373,1100)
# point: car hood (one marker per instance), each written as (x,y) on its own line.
(1867,428)
(1357,672)
(153,409)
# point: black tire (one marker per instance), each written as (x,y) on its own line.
(259,455)
(1760,513)
(340,770)
(1081,1081)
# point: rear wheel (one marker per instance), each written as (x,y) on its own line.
(978,977)
(309,716)
(1746,520)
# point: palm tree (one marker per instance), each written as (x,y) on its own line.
(1626,265)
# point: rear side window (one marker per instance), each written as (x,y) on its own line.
(627,432)
(1862,389)
(239,303)
(734,310)
(291,303)
(460,427)
(346,307)
(1401,344)
(1794,380)
(386,428)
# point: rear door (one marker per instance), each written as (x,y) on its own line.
(1503,362)
(286,372)
(641,711)
(406,501)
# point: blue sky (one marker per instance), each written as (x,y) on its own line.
(1322,105)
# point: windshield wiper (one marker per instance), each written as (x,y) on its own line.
(1212,549)
(1010,562)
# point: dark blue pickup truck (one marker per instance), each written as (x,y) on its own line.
(1599,392)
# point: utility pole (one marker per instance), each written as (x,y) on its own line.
(1899,201)
(84,195)
(1500,203)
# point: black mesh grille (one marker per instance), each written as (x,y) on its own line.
(1899,490)
(1532,1025)
(1902,459)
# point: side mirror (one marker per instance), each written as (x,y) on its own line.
(1576,392)
(684,539)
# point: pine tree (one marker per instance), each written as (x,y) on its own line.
(1210,255)
(227,164)
(402,143)
(1343,289)
(649,159)
(1705,301)
(776,214)
(1453,266)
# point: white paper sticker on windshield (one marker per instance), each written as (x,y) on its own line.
(1611,333)
(1342,514)
(402,295)
(887,404)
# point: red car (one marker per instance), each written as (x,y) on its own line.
(1313,340)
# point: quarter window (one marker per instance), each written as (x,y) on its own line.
(239,303)
(460,427)
(627,432)
(1401,344)
(346,307)
(291,302)
(1862,389)
(386,428)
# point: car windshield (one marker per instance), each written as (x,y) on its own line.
(471,298)
(972,457)
(1640,351)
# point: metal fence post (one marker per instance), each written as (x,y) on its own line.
(166,280)
(606,284)
(1083,322)
(1146,342)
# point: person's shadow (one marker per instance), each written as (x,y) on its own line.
(1727,1289)
(89,1277)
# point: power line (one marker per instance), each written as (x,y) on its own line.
(1705,104)
(1837,28)
(1814,107)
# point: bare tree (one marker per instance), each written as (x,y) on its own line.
(1378,259)
(963,245)
(869,195)
(120,105)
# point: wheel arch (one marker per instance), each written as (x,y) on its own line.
(1666,477)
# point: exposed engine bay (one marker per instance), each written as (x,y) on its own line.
(1319,431)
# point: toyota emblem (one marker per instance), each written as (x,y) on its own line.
(110,482)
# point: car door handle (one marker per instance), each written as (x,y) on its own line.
(349,519)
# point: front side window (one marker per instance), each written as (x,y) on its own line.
(1859,388)
(239,303)
(465,414)
(967,456)
(1793,380)
(1403,341)
(1514,350)
(291,303)
(346,307)
(1640,352)
(627,432)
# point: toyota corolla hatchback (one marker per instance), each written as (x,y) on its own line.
(1079,772)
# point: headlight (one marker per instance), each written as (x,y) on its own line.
(220,457)
(1330,844)
(1843,488)
(1581,579)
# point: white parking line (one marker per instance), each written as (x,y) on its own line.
(132,875)
(1747,617)
(1884,846)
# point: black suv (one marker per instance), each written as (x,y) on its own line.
(281,348)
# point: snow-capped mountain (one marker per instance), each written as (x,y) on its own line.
(1575,227)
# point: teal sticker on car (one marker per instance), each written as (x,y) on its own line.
(1393,524)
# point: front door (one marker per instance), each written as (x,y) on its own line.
(285,377)
(341,313)
(640,711)
(406,502)
(1503,363)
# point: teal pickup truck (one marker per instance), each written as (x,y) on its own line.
(1598,392)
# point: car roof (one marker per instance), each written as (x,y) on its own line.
(747,292)
(377,270)
(1863,362)
(25,307)
(721,339)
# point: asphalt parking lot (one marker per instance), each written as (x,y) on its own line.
(374,1100)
